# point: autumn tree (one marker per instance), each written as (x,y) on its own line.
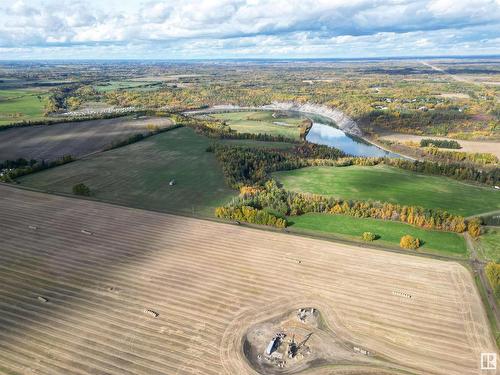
(409,242)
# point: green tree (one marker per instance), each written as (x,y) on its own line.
(81,189)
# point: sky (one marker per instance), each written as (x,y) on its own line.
(222,29)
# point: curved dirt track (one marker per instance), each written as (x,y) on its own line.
(208,281)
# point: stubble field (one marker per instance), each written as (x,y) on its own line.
(50,142)
(209,283)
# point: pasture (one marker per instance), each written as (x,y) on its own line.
(390,232)
(394,185)
(489,244)
(77,139)
(78,278)
(138,175)
(21,105)
(262,122)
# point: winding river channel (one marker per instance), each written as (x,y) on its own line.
(328,135)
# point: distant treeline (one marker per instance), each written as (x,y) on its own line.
(275,200)
(21,167)
(102,116)
(442,143)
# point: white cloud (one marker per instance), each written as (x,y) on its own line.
(239,27)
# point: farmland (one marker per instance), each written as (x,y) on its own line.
(262,122)
(389,232)
(392,185)
(20,105)
(138,175)
(50,142)
(74,302)
(489,244)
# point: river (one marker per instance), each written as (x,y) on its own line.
(330,136)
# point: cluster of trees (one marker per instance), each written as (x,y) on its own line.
(409,242)
(81,189)
(10,175)
(442,143)
(250,215)
(69,97)
(285,203)
(483,158)
(21,162)
(250,165)
(493,273)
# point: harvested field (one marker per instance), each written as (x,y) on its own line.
(209,283)
(467,146)
(77,139)
(138,175)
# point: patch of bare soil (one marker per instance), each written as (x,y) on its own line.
(467,146)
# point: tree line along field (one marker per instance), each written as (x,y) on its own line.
(50,142)
(74,302)
(394,185)
(388,233)
(262,122)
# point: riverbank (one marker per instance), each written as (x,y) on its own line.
(341,121)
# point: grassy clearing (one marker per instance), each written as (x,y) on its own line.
(262,122)
(19,105)
(390,232)
(489,244)
(138,175)
(392,185)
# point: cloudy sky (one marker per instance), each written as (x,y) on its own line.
(190,29)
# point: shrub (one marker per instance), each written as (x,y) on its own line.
(369,236)
(493,273)
(409,242)
(474,227)
(81,189)
(425,142)
(250,215)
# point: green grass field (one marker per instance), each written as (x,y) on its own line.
(390,232)
(489,244)
(392,185)
(262,122)
(19,105)
(138,175)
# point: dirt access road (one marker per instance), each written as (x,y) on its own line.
(77,277)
